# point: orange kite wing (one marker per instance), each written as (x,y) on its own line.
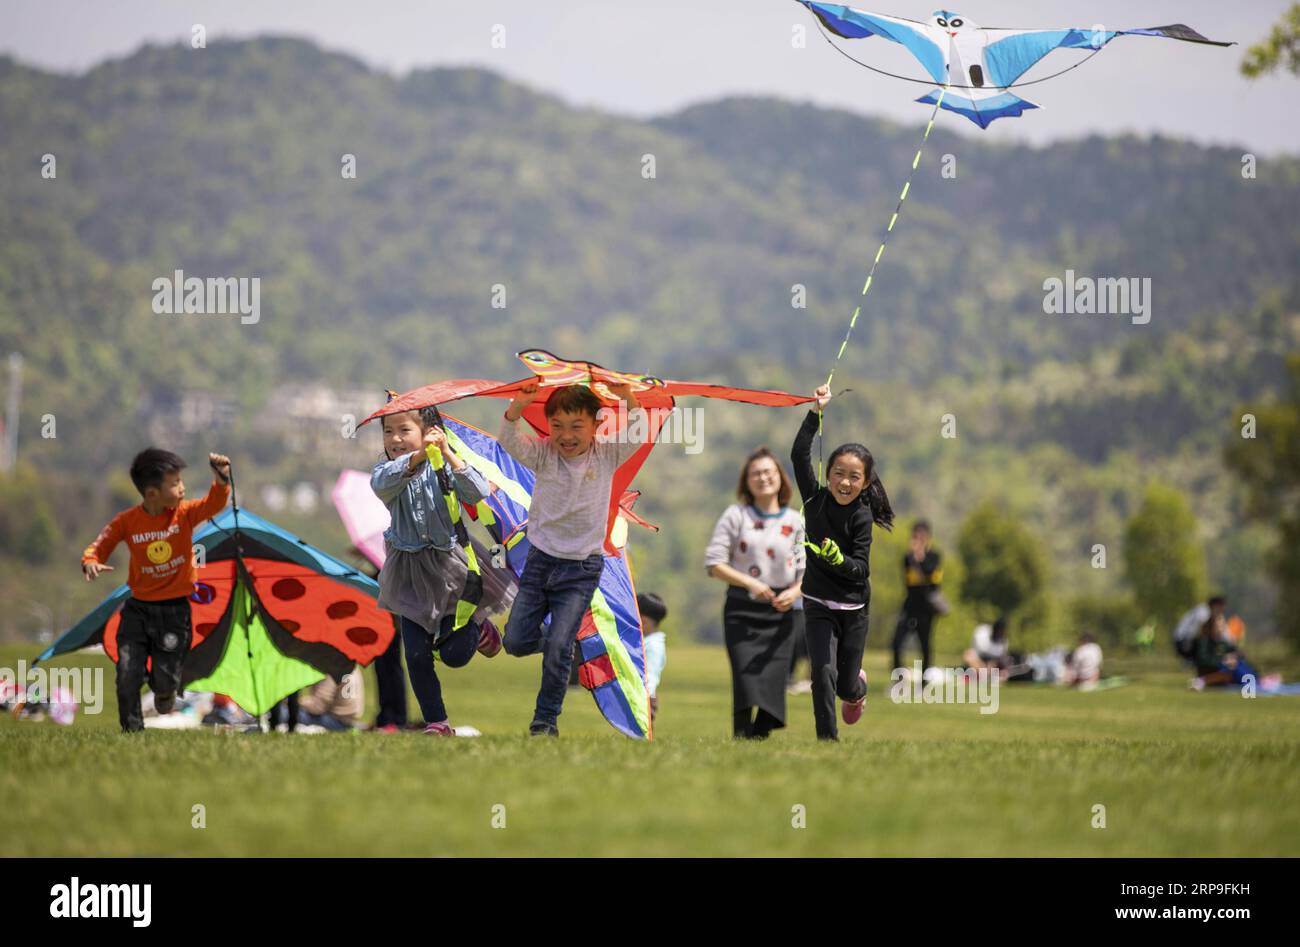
(554,372)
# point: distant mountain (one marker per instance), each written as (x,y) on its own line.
(226,162)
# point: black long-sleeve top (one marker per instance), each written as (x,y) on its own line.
(824,516)
(921,579)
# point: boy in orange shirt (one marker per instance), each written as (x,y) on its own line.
(155,620)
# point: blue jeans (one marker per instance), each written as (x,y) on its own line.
(562,587)
(455,650)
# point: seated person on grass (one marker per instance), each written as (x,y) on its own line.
(1219,663)
(1083,666)
(989,647)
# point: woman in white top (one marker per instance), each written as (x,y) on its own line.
(989,647)
(757,550)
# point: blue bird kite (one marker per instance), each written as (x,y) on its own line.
(977,64)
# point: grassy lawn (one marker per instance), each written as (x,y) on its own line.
(1179,773)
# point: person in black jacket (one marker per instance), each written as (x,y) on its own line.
(836,588)
(922,575)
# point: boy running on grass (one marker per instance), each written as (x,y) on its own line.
(566,530)
(155,624)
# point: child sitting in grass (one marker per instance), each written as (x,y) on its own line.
(566,530)
(154,634)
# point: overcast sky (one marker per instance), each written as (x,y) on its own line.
(649,57)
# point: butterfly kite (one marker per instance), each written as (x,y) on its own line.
(977,64)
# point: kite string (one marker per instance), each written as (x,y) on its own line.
(866,287)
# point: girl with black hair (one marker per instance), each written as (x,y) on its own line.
(838,519)
(428,580)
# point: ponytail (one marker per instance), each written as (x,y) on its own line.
(877,500)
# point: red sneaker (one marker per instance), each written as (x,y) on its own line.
(851,710)
(439,729)
(489,639)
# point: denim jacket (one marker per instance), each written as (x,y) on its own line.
(416,503)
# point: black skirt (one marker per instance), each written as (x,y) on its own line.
(760,646)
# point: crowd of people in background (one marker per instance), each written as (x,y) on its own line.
(1210,642)
(797,585)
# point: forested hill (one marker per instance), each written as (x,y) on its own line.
(225,162)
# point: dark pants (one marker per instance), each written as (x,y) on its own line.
(158,633)
(908,622)
(836,640)
(455,649)
(285,712)
(391,680)
(563,588)
(800,649)
(754,723)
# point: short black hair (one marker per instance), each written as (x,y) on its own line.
(429,417)
(576,399)
(1217,600)
(151,465)
(652,607)
(920,525)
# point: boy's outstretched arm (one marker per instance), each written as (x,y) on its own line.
(801,452)
(625,448)
(527,450)
(94,557)
(627,394)
(218,493)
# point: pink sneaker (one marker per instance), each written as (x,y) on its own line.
(439,729)
(489,639)
(851,710)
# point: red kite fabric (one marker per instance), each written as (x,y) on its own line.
(554,372)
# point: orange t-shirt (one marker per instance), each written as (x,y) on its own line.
(161,547)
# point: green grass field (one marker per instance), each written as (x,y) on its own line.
(1179,773)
